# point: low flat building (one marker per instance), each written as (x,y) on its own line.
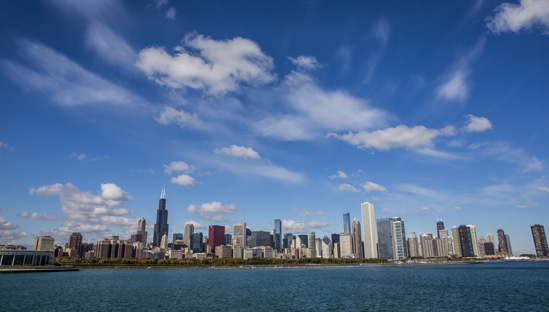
(25,257)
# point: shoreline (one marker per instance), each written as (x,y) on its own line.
(38,269)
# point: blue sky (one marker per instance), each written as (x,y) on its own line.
(252,111)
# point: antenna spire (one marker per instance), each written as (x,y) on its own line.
(163,194)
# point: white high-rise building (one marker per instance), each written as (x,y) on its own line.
(346,245)
(312,245)
(240,235)
(326,247)
(474,240)
(369,226)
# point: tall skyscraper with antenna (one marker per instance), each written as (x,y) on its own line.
(347,223)
(161,227)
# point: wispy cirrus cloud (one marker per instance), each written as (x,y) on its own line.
(83,156)
(307,213)
(213,211)
(37,216)
(515,17)
(305,226)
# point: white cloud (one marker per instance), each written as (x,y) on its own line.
(422,210)
(380,33)
(373,187)
(197,225)
(305,226)
(455,84)
(438,154)
(390,211)
(270,171)
(307,213)
(313,111)
(514,17)
(397,137)
(421,191)
(83,156)
(543,189)
(170,13)
(347,187)
(88,213)
(477,124)
(178,166)
(4,145)
(212,66)
(183,119)
(63,80)
(527,206)
(183,179)
(238,151)
(5,225)
(340,174)
(37,216)
(305,63)
(505,152)
(7,236)
(110,46)
(212,211)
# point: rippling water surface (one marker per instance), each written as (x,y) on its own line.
(480,287)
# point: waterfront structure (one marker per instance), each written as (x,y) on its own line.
(502,243)
(43,243)
(540,241)
(216,236)
(346,245)
(413,246)
(347,223)
(357,239)
(440,227)
(277,235)
(187,238)
(457,241)
(12,256)
(161,227)
(368,223)
(311,250)
(142,230)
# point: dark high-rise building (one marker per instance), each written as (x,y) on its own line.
(357,239)
(540,241)
(261,238)
(489,249)
(277,235)
(347,223)
(216,236)
(465,241)
(228,239)
(197,242)
(335,238)
(384,238)
(502,243)
(304,238)
(440,227)
(177,236)
(161,227)
(75,241)
(287,241)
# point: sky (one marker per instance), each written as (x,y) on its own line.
(250,111)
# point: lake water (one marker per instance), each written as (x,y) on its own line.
(479,287)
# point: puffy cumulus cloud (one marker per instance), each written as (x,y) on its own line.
(212,211)
(178,166)
(114,192)
(313,111)
(183,179)
(397,137)
(340,174)
(5,225)
(305,226)
(515,17)
(212,66)
(170,115)
(373,187)
(305,63)
(37,216)
(7,235)
(477,124)
(543,189)
(238,151)
(197,225)
(62,80)
(88,213)
(347,187)
(307,213)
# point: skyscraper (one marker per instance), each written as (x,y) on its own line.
(440,227)
(216,236)
(466,241)
(311,245)
(75,241)
(357,239)
(509,249)
(502,243)
(277,235)
(347,223)
(413,247)
(540,241)
(400,245)
(385,238)
(142,230)
(45,243)
(240,235)
(187,238)
(368,223)
(161,227)
(473,231)
(457,241)
(287,241)
(197,242)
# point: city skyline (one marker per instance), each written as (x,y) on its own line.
(296,111)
